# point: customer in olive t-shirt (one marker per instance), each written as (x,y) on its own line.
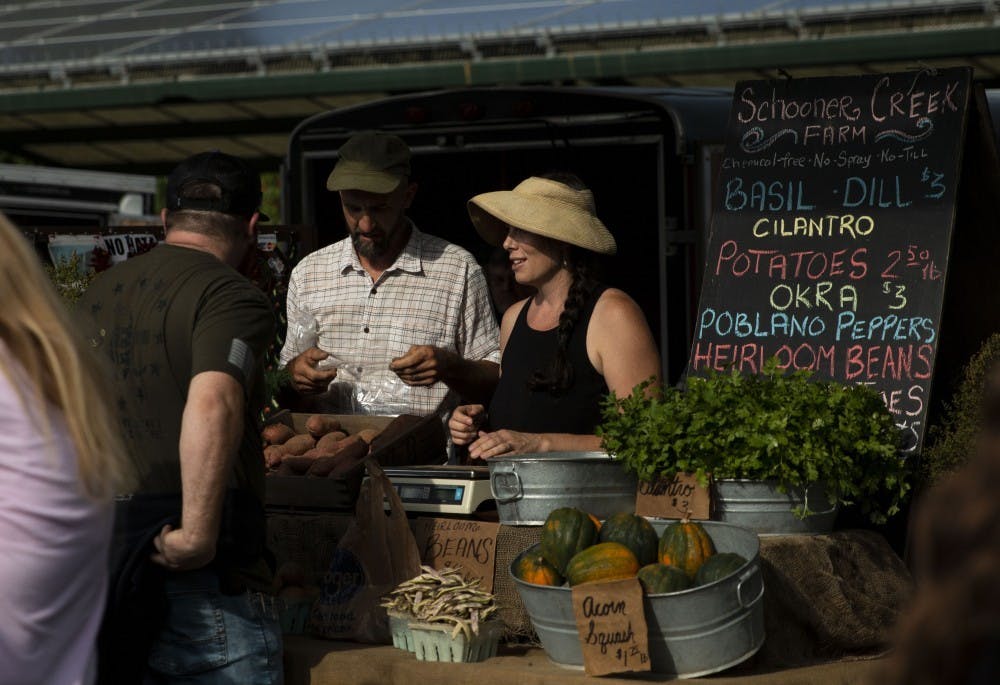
(186,334)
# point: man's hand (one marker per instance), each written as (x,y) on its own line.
(175,551)
(465,422)
(423,365)
(306,377)
(505,442)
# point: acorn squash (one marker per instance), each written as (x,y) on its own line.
(532,568)
(603,561)
(658,578)
(634,532)
(686,545)
(719,566)
(567,530)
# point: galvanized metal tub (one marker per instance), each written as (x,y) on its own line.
(759,506)
(527,487)
(691,633)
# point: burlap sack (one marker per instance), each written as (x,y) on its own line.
(511,541)
(829,596)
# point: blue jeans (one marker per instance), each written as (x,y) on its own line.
(209,637)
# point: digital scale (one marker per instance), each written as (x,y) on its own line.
(444,489)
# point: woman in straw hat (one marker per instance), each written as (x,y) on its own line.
(566,346)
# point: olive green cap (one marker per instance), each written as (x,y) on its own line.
(371,161)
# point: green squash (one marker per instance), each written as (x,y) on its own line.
(719,566)
(567,530)
(635,532)
(659,578)
(603,561)
(532,568)
(686,545)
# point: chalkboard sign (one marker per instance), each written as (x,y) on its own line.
(832,229)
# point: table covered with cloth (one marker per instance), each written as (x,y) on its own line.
(323,662)
(830,603)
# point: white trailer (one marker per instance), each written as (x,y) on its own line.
(42,197)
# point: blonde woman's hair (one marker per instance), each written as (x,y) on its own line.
(36,327)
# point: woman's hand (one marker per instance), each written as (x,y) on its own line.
(505,442)
(465,422)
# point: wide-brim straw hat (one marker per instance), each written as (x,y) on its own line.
(543,207)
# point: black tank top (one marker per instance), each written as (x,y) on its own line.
(577,410)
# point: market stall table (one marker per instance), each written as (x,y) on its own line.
(830,602)
(310,661)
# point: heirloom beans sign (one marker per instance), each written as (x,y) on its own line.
(831,231)
(470,545)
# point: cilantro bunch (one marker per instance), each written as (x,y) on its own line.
(772,426)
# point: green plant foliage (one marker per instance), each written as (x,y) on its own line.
(270,203)
(951,442)
(787,428)
(69,279)
(275,378)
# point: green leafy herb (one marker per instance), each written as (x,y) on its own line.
(787,428)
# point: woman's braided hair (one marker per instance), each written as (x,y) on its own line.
(558,377)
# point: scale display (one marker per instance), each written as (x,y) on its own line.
(434,494)
(441,489)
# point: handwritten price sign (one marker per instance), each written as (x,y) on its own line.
(469,545)
(673,498)
(612,626)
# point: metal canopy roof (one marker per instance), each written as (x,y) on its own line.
(77,34)
(127,83)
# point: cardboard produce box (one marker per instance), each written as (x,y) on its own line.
(409,441)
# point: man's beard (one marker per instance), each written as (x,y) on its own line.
(368,248)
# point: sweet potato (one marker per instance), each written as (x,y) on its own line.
(276,434)
(321,467)
(346,454)
(273,454)
(319,425)
(330,440)
(368,435)
(353,450)
(299,444)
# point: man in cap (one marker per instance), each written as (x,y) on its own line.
(186,335)
(393,307)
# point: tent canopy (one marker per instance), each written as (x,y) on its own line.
(128,84)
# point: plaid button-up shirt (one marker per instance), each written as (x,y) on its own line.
(434,294)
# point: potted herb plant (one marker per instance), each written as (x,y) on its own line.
(812,441)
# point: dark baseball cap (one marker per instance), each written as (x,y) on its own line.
(238,182)
(372,161)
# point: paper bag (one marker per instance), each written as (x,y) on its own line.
(376,554)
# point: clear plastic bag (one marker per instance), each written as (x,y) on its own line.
(357,389)
(305,332)
(374,391)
